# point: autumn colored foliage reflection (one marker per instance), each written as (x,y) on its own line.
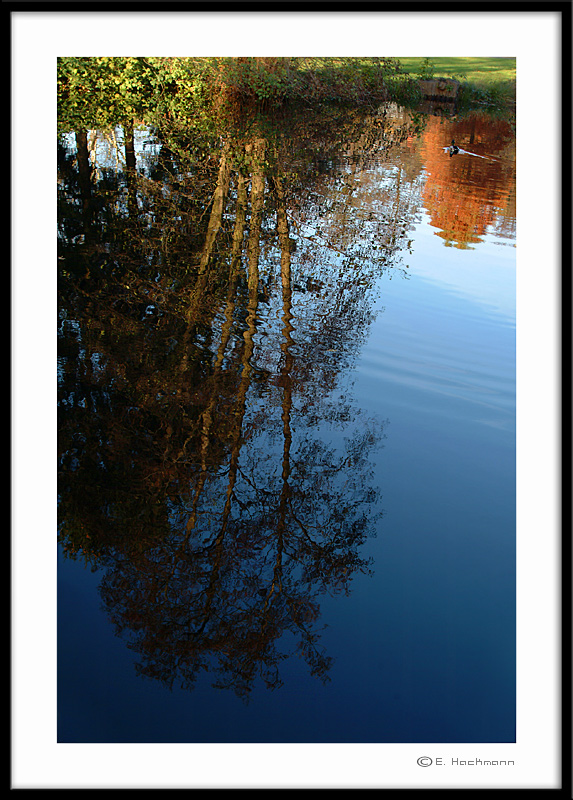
(466,195)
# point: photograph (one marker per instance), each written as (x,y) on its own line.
(292,483)
(286,399)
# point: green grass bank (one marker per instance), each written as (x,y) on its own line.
(485,81)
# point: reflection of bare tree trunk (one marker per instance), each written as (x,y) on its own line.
(238,233)
(394,230)
(320,663)
(216,216)
(130,170)
(207,417)
(213,227)
(257,201)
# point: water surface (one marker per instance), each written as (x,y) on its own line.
(287,433)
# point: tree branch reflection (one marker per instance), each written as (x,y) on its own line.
(213,464)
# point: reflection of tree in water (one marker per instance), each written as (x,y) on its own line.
(467,196)
(211,459)
(252,570)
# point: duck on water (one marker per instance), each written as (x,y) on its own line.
(453,150)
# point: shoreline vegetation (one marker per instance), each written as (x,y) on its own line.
(105,91)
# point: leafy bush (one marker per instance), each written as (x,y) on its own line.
(103,92)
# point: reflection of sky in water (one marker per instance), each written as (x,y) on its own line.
(440,364)
(448,329)
(109,150)
(423,651)
(484,275)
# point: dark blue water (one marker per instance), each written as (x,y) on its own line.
(423,647)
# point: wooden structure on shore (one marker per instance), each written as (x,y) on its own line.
(443,89)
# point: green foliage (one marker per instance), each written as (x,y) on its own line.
(183,85)
(262,79)
(103,92)
(195,93)
(405,91)
(499,96)
(427,70)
